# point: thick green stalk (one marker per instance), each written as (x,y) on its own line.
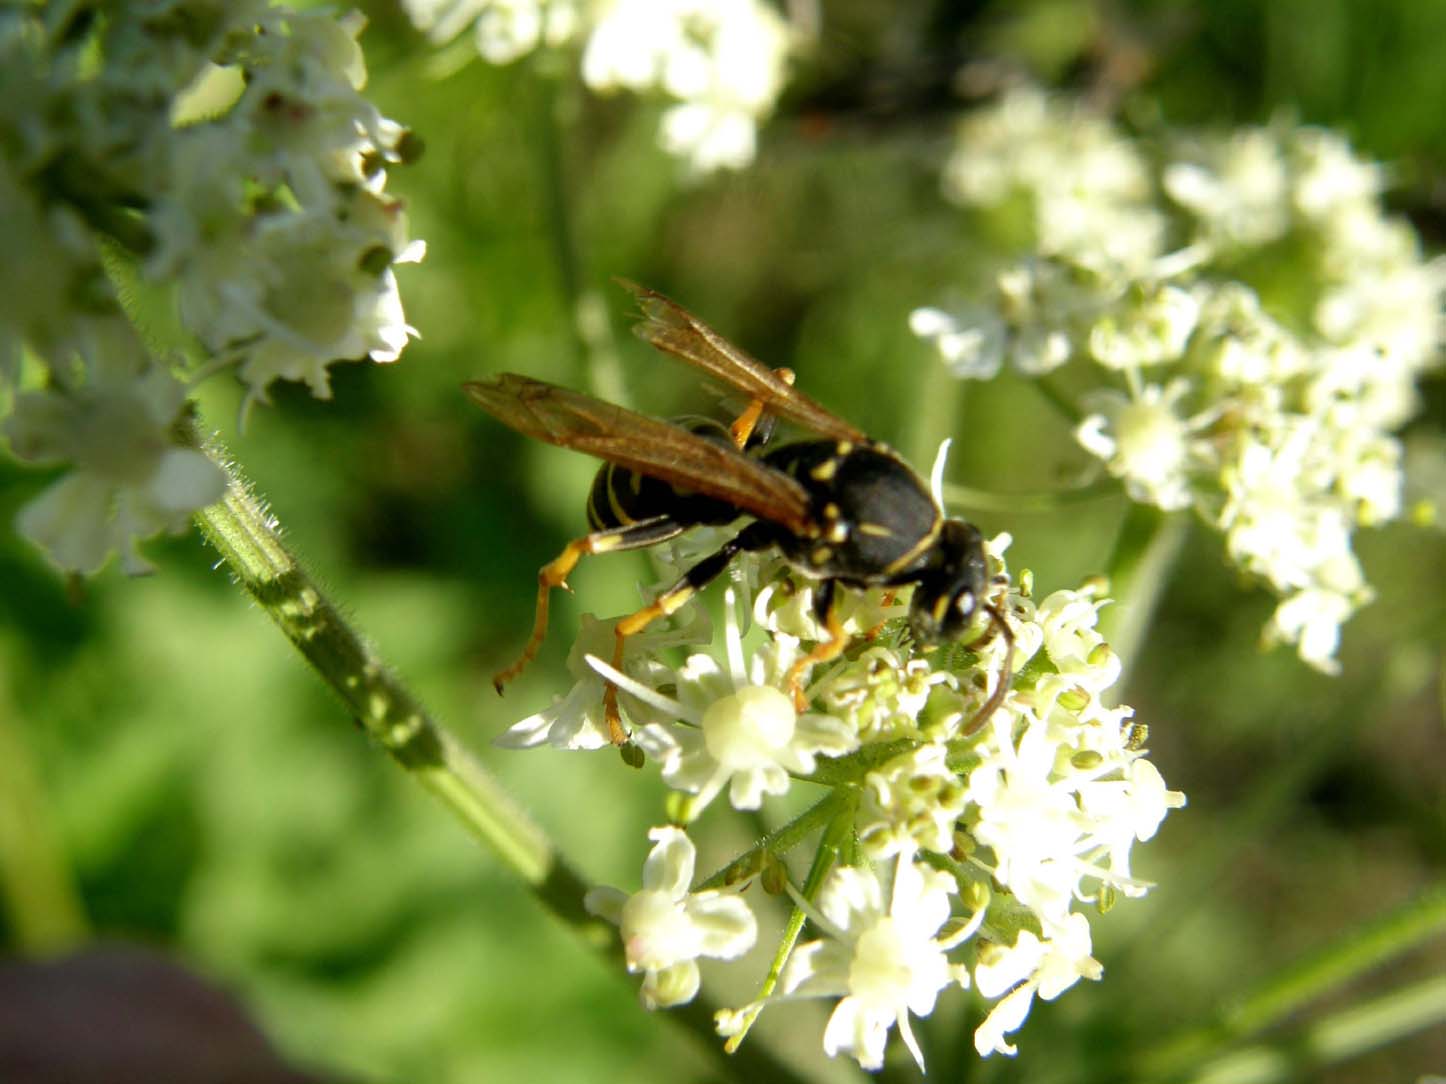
(247,538)
(37,888)
(1336,1038)
(1410,926)
(1139,567)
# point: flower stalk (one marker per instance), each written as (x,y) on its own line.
(249,542)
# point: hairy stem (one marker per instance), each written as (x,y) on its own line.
(248,540)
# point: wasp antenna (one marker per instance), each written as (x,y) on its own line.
(1006,673)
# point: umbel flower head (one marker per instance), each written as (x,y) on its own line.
(1239,322)
(961,849)
(240,133)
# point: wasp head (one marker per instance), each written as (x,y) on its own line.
(951,588)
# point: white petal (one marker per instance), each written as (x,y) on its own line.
(673,985)
(725,924)
(69,521)
(669,865)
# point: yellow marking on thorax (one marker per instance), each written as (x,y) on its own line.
(922,546)
(875,530)
(824,471)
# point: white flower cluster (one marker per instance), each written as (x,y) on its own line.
(1241,327)
(225,150)
(973,844)
(720,62)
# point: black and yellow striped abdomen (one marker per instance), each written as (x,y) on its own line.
(620,497)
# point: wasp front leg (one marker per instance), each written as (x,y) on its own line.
(643,533)
(824,651)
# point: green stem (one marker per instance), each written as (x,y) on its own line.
(836,835)
(386,710)
(36,886)
(598,363)
(1036,502)
(239,528)
(936,416)
(1336,1036)
(1139,567)
(781,840)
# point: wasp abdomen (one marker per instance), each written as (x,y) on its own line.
(620,496)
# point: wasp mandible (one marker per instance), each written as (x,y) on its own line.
(841,510)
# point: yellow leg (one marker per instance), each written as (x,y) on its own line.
(742,428)
(822,652)
(694,580)
(645,532)
(666,603)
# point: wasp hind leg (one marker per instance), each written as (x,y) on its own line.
(638,535)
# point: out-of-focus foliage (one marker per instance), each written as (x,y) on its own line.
(191,785)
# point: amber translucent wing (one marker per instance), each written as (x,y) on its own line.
(655,448)
(674,330)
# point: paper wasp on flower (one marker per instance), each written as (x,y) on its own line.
(844,509)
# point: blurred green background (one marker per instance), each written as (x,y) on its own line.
(171,774)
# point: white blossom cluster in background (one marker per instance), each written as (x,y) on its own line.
(1240,323)
(972,848)
(222,151)
(719,63)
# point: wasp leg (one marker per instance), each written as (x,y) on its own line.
(756,536)
(742,428)
(1006,674)
(822,652)
(645,532)
(885,600)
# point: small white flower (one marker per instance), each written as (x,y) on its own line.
(666,928)
(1153,328)
(130,479)
(883,961)
(910,803)
(575,721)
(1312,619)
(1144,441)
(1085,184)
(971,342)
(1069,621)
(1328,175)
(1047,967)
(1238,187)
(742,731)
(720,63)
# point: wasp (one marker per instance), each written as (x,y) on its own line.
(842,510)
